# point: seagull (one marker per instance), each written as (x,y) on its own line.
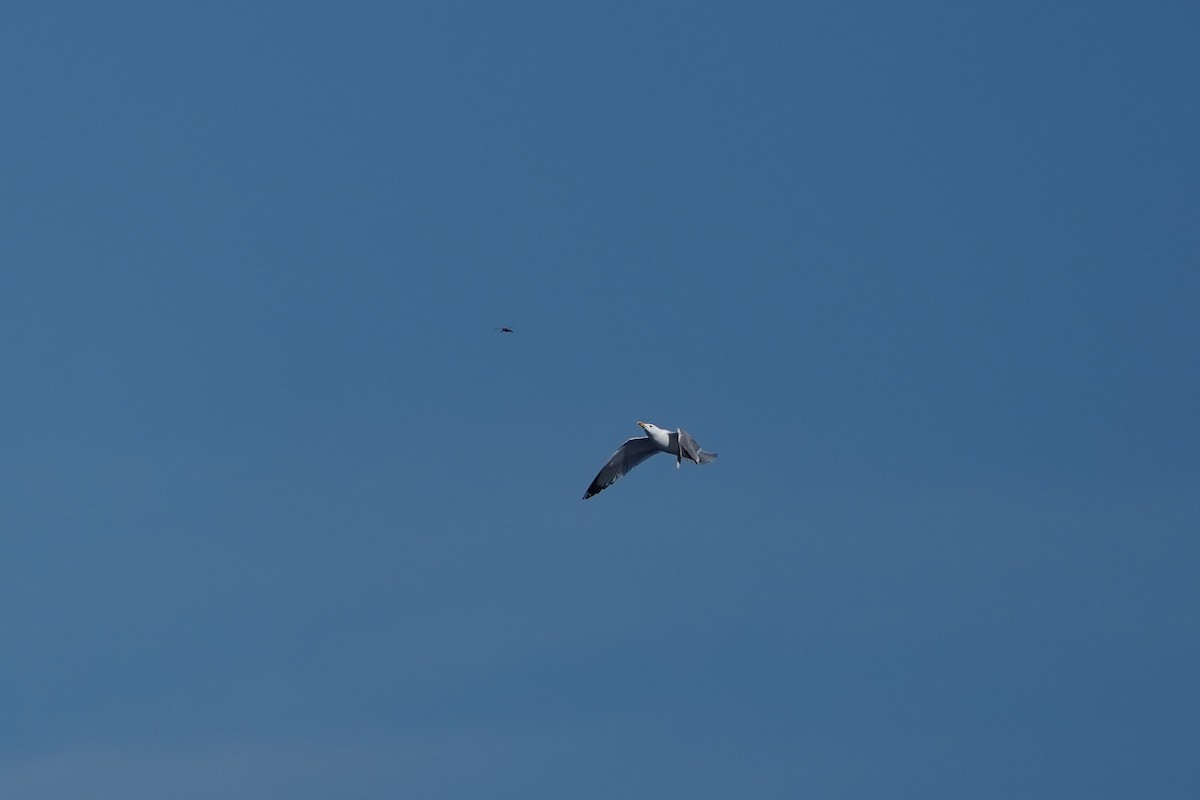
(505,329)
(678,443)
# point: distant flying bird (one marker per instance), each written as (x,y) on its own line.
(506,330)
(657,440)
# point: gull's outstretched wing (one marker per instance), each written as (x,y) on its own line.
(691,451)
(628,456)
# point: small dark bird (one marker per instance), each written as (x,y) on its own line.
(506,330)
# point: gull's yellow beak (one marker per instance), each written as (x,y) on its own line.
(641,425)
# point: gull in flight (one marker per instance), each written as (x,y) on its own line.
(678,443)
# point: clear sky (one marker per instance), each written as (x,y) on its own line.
(284,515)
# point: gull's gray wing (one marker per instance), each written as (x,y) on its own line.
(691,451)
(628,456)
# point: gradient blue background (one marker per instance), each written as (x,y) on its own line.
(284,516)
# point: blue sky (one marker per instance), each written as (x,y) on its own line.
(285,516)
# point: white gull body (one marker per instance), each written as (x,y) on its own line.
(636,450)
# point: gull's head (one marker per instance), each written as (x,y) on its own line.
(646,426)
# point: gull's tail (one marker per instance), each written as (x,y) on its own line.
(707,458)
